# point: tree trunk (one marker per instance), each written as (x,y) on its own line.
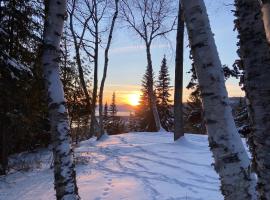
(4,149)
(101,131)
(255,55)
(266,17)
(151,94)
(178,88)
(64,172)
(231,160)
(94,123)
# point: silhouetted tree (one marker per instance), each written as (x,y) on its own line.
(178,83)
(106,62)
(115,125)
(143,111)
(163,97)
(149,20)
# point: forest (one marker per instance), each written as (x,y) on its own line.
(79,120)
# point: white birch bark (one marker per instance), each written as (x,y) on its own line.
(255,55)
(266,17)
(64,172)
(231,160)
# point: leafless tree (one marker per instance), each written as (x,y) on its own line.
(95,29)
(87,17)
(106,62)
(150,19)
(78,39)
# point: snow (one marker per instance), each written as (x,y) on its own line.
(56,92)
(18,66)
(11,62)
(3,32)
(132,166)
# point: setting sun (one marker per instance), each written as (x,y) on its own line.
(133,99)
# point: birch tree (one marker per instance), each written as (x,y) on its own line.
(64,172)
(149,19)
(178,84)
(106,62)
(255,56)
(266,17)
(231,160)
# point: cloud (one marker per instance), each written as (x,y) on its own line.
(136,48)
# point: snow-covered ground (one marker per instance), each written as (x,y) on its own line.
(133,166)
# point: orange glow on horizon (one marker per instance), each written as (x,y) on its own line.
(130,94)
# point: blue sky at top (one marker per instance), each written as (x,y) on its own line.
(128,58)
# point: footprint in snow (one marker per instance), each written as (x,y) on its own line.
(105,193)
(108,186)
(109,182)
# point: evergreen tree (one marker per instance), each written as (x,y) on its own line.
(14,122)
(105,116)
(115,125)
(163,97)
(241,118)
(20,70)
(133,123)
(21,21)
(193,112)
(74,95)
(144,112)
(113,108)
(105,112)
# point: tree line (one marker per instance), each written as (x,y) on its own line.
(46,86)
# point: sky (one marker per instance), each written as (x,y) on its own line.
(127,57)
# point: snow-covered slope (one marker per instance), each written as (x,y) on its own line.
(133,166)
